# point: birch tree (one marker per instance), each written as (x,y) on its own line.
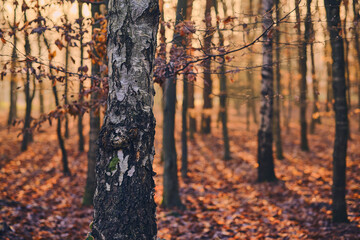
(124,198)
(265,153)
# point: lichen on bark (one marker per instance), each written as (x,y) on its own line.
(124,203)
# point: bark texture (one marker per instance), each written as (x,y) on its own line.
(339,212)
(124,198)
(266,170)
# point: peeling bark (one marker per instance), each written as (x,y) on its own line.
(124,198)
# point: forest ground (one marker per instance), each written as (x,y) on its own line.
(222,199)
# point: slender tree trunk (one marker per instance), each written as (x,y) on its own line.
(315,119)
(329,93)
(289,97)
(184,148)
(339,212)
(357,46)
(66,169)
(66,100)
(191,110)
(266,170)
(81,85)
(303,71)
(223,91)
(29,95)
(13,84)
(162,52)
(41,87)
(162,55)
(206,113)
(61,141)
(277,119)
(250,102)
(171,196)
(190,85)
(346,53)
(124,198)
(94,120)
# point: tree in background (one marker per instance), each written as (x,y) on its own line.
(171,197)
(303,71)
(277,84)
(124,199)
(315,117)
(207,90)
(13,84)
(184,112)
(223,90)
(29,93)
(81,84)
(339,212)
(266,170)
(96,57)
(356,29)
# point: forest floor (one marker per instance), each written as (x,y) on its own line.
(222,199)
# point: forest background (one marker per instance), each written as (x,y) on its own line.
(53,93)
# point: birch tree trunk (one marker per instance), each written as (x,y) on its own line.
(339,212)
(266,170)
(124,198)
